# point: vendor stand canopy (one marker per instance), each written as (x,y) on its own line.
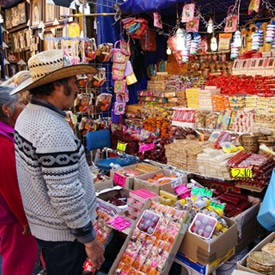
(216,9)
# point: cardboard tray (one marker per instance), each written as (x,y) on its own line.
(172,253)
(241,265)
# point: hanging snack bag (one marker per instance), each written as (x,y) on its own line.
(188,13)
(103,102)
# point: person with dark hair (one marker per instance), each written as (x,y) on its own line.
(17,246)
(54,178)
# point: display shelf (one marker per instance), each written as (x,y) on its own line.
(251,188)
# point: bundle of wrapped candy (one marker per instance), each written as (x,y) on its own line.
(100,225)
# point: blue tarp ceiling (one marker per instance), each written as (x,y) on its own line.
(141,6)
(9,3)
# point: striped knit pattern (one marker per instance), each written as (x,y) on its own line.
(54,178)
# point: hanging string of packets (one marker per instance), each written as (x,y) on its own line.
(73,46)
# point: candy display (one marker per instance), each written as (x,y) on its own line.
(145,253)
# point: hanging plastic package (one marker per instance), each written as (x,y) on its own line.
(129,74)
(90,49)
(257,38)
(254,5)
(193,25)
(270,32)
(266,214)
(119,108)
(231,21)
(188,11)
(116,118)
(131,79)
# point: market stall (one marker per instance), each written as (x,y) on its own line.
(201,133)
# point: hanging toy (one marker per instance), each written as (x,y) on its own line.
(237,39)
(213,43)
(270,32)
(236,45)
(194,46)
(210,25)
(188,40)
(204,46)
(234,53)
(198,39)
(254,5)
(257,38)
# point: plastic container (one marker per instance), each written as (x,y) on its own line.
(148,222)
(203,225)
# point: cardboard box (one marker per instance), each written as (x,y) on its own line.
(125,180)
(142,182)
(240,272)
(106,194)
(103,185)
(247,215)
(196,268)
(241,265)
(250,231)
(247,225)
(207,251)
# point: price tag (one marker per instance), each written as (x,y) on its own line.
(146,147)
(119,179)
(121,146)
(202,192)
(244,173)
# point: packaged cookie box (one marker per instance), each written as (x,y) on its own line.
(124,176)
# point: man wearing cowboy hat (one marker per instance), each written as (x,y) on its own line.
(54,178)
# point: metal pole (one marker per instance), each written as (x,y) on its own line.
(91,14)
(2,53)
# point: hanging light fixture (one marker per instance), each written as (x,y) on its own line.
(168,51)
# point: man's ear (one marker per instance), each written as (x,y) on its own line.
(57,85)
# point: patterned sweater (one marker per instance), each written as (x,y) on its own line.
(53,175)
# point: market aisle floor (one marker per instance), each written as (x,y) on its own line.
(226,269)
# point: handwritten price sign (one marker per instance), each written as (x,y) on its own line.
(121,146)
(146,147)
(244,173)
(119,179)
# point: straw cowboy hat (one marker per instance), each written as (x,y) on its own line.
(48,66)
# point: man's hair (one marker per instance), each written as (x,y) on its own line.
(48,88)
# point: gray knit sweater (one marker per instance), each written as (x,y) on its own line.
(53,174)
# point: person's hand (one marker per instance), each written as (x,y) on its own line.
(95,252)
(26,229)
